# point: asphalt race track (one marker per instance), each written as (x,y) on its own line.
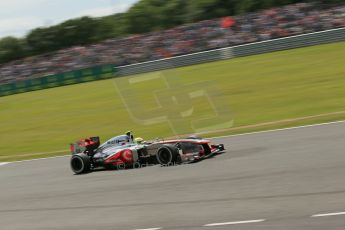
(288,179)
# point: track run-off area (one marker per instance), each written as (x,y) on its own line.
(283,179)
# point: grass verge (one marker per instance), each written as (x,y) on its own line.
(275,90)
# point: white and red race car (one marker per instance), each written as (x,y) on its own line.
(122,151)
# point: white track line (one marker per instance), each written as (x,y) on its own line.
(4,163)
(277,130)
(234,222)
(329,214)
(46,158)
(35,154)
(148,229)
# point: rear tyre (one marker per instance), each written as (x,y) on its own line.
(80,163)
(167,155)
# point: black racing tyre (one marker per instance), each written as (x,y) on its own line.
(80,163)
(167,155)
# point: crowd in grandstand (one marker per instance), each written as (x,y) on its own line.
(205,35)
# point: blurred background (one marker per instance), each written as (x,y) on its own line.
(149,30)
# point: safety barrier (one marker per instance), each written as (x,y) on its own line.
(72,77)
(297,41)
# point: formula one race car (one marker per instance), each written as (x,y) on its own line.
(123,151)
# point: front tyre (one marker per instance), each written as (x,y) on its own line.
(80,163)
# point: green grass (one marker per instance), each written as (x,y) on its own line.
(256,89)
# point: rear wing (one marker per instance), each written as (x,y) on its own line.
(88,144)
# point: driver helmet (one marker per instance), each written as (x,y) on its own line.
(138,140)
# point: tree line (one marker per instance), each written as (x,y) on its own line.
(144,16)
